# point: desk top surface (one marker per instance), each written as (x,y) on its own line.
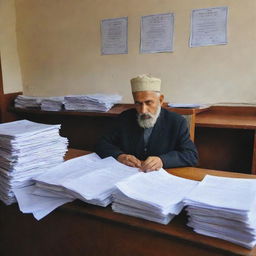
(232,117)
(113,112)
(177,228)
(215,116)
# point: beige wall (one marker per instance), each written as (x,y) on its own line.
(59,49)
(12,81)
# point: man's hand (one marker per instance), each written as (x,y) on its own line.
(129,160)
(152,163)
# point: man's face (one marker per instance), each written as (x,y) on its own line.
(148,105)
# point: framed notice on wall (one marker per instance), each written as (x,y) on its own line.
(156,33)
(208,26)
(114,35)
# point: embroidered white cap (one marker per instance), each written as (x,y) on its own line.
(145,83)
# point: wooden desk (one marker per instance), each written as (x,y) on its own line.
(231,117)
(84,129)
(82,229)
(226,138)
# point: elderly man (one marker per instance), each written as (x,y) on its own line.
(149,137)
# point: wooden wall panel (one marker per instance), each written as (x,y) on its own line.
(6,100)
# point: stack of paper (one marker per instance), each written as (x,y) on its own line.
(155,196)
(224,208)
(52,104)
(26,150)
(23,101)
(88,178)
(91,102)
(188,105)
(90,181)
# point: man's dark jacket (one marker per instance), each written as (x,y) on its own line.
(169,140)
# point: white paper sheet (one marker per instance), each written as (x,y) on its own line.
(99,183)
(24,128)
(39,206)
(208,26)
(114,36)
(225,193)
(157,33)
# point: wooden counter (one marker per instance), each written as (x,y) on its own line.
(228,117)
(113,112)
(81,229)
(226,138)
(83,129)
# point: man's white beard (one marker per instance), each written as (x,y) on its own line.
(148,122)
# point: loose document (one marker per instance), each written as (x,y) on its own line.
(114,36)
(26,150)
(91,102)
(208,26)
(155,196)
(156,32)
(224,208)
